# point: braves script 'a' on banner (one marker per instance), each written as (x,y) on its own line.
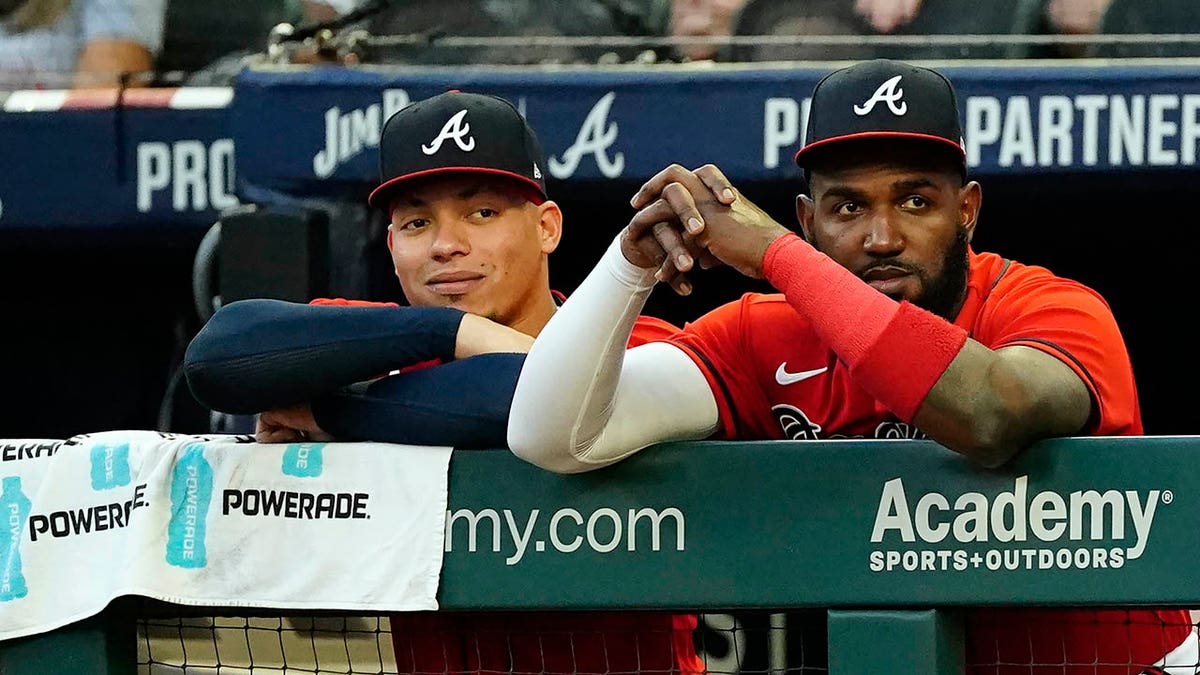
(215,520)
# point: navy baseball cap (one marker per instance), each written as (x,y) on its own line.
(883,99)
(457,132)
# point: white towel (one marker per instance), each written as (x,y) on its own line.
(216,520)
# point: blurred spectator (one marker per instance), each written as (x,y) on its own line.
(1075,17)
(1072,17)
(886,16)
(428,20)
(78,43)
(206,41)
(1148,16)
(785,17)
(703,18)
(946,17)
(1061,17)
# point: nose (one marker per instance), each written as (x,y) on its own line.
(450,239)
(883,238)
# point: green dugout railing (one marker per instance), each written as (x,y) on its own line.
(891,536)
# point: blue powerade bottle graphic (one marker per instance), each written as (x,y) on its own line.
(303,460)
(191,494)
(14,512)
(110,466)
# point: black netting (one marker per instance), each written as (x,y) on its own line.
(998,642)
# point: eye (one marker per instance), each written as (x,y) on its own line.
(847,208)
(915,202)
(486,212)
(412,224)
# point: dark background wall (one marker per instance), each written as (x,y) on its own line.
(89,324)
(93,324)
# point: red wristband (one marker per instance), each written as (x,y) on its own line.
(896,351)
(906,361)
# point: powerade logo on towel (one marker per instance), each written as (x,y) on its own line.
(191,494)
(110,466)
(14,512)
(303,460)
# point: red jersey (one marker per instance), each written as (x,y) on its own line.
(544,642)
(773,378)
(342,302)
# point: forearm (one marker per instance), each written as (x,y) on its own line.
(255,355)
(580,404)
(564,395)
(991,404)
(463,404)
(477,335)
(104,63)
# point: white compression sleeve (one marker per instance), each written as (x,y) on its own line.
(583,402)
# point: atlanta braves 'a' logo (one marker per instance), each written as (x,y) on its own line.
(896,429)
(455,129)
(795,424)
(890,93)
(596,135)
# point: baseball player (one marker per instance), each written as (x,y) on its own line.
(471,232)
(887,325)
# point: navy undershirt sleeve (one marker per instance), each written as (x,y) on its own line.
(462,403)
(255,355)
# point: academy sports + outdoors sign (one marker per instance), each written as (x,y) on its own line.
(857,523)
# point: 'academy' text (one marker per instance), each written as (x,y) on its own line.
(1106,520)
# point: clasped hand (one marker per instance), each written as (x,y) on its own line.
(291,424)
(688,218)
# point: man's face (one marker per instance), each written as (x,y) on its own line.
(474,243)
(902,228)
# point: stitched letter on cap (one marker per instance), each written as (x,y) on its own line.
(889,92)
(456,129)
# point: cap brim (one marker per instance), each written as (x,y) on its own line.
(379,196)
(878,134)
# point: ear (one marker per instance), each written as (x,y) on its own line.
(805,210)
(550,219)
(970,200)
(389,237)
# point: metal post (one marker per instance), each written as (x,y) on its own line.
(921,642)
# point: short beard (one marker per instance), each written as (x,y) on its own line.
(945,293)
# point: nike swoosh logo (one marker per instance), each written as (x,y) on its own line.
(782,376)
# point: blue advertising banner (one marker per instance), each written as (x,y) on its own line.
(628,124)
(120,167)
(315,131)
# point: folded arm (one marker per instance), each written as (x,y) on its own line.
(463,404)
(256,355)
(990,404)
